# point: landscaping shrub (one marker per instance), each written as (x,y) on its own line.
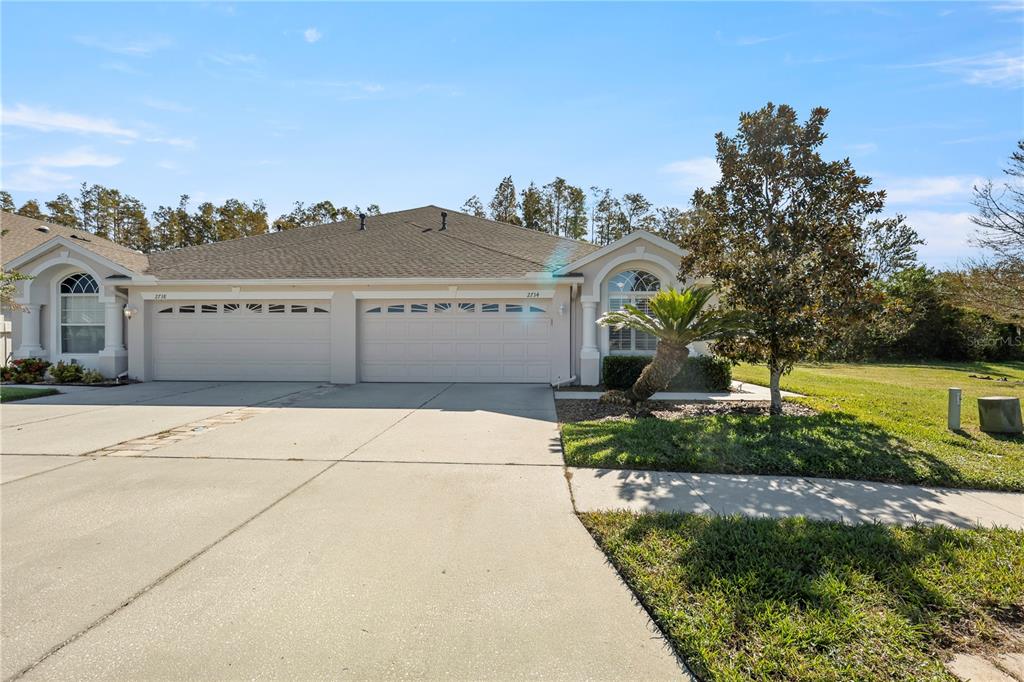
(704,373)
(699,373)
(91,376)
(621,371)
(24,371)
(66,372)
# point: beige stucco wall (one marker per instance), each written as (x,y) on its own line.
(571,302)
(40,300)
(639,254)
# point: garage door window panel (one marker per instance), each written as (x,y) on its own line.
(81,315)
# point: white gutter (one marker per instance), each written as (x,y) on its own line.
(352,281)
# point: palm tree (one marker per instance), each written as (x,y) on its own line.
(677,318)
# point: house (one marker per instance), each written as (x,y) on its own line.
(425,294)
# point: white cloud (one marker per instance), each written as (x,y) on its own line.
(863,148)
(45,120)
(75,158)
(233,58)
(36,179)
(132,48)
(311,35)
(995,69)
(930,189)
(121,67)
(172,166)
(747,41)
(689,174)
(183,142)
(947,236)
(166,105)
(1008,7)
(40,173)
(40,118)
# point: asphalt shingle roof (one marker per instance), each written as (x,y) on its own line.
(400,244)
(394,245)
(21,235)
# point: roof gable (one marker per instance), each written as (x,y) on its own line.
(22,235)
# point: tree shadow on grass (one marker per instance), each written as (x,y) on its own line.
(794,596)
(828,445)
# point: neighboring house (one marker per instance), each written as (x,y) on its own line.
(418,295)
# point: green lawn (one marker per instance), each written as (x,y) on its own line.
(9,394)
(879,422)
(802,600)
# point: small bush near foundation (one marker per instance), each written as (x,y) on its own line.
(699,373)
(91,376)
(24,371)
(66,372)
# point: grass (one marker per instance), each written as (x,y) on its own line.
(803,600)
(879,422)
(9,394)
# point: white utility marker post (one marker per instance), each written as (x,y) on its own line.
(953,415)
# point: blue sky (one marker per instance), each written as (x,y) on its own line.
(404,105)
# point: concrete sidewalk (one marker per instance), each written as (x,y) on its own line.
(781,496)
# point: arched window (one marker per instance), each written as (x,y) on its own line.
(81,315)
(634,287)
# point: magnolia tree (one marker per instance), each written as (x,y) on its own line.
(783,235)
(676,319)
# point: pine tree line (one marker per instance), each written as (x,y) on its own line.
(120,217)
(565,210)
(558,208)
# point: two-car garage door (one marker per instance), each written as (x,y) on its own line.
(242,340)
(399,340)
(471,341)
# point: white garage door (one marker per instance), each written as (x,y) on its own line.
(501,341)
(242,340)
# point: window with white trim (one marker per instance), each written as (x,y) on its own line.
(633,287)
(81,315)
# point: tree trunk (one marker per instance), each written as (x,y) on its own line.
(776,375)
(668,360)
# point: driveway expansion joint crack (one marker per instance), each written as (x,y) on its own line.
(165,576)
(78,460)
(396,422)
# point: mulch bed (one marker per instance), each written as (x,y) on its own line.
(595,410)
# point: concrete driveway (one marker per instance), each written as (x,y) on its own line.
(304,531)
